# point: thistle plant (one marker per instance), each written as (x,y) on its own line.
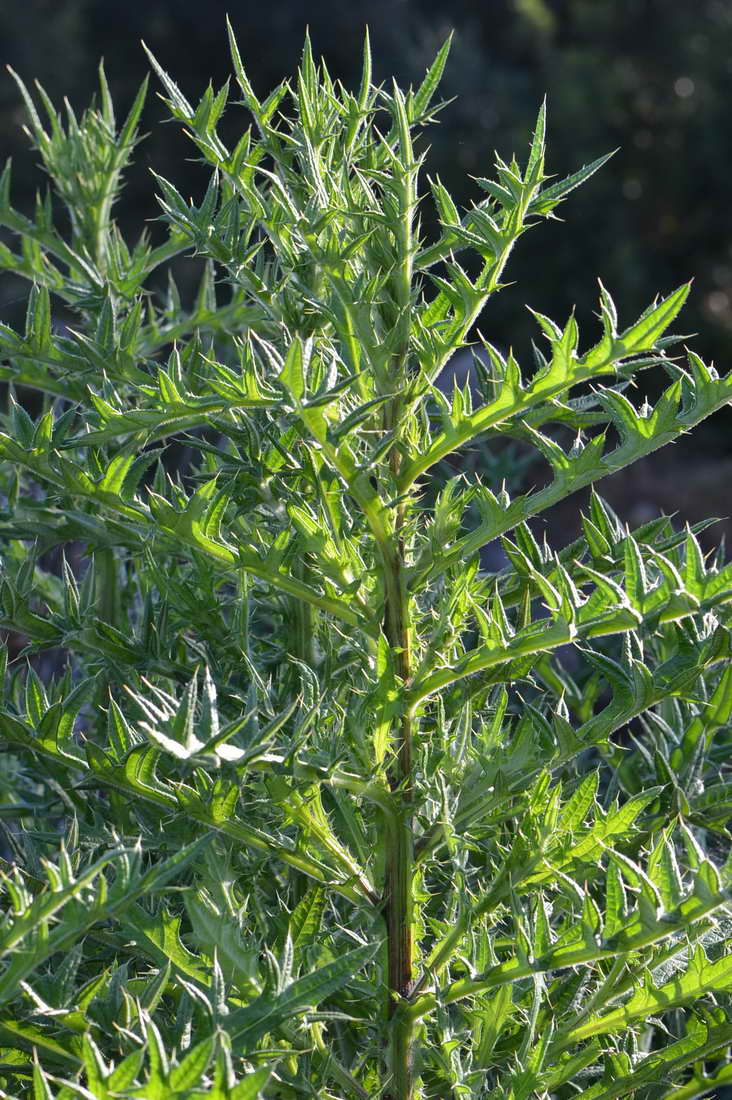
(315,806)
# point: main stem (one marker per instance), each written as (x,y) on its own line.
(400,863)
(397,627)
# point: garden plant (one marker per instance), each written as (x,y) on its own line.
(316,804)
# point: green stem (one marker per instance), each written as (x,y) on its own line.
(535,503)
(304,620)
(111,776)
(594,731)
(303,649)
(397,628)
(700,1085)
(105,565)
(558,634)
(400,863)
(399,931)
(635,937)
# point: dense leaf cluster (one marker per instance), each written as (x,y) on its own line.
(319,807)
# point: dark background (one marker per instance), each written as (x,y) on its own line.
(652,77)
